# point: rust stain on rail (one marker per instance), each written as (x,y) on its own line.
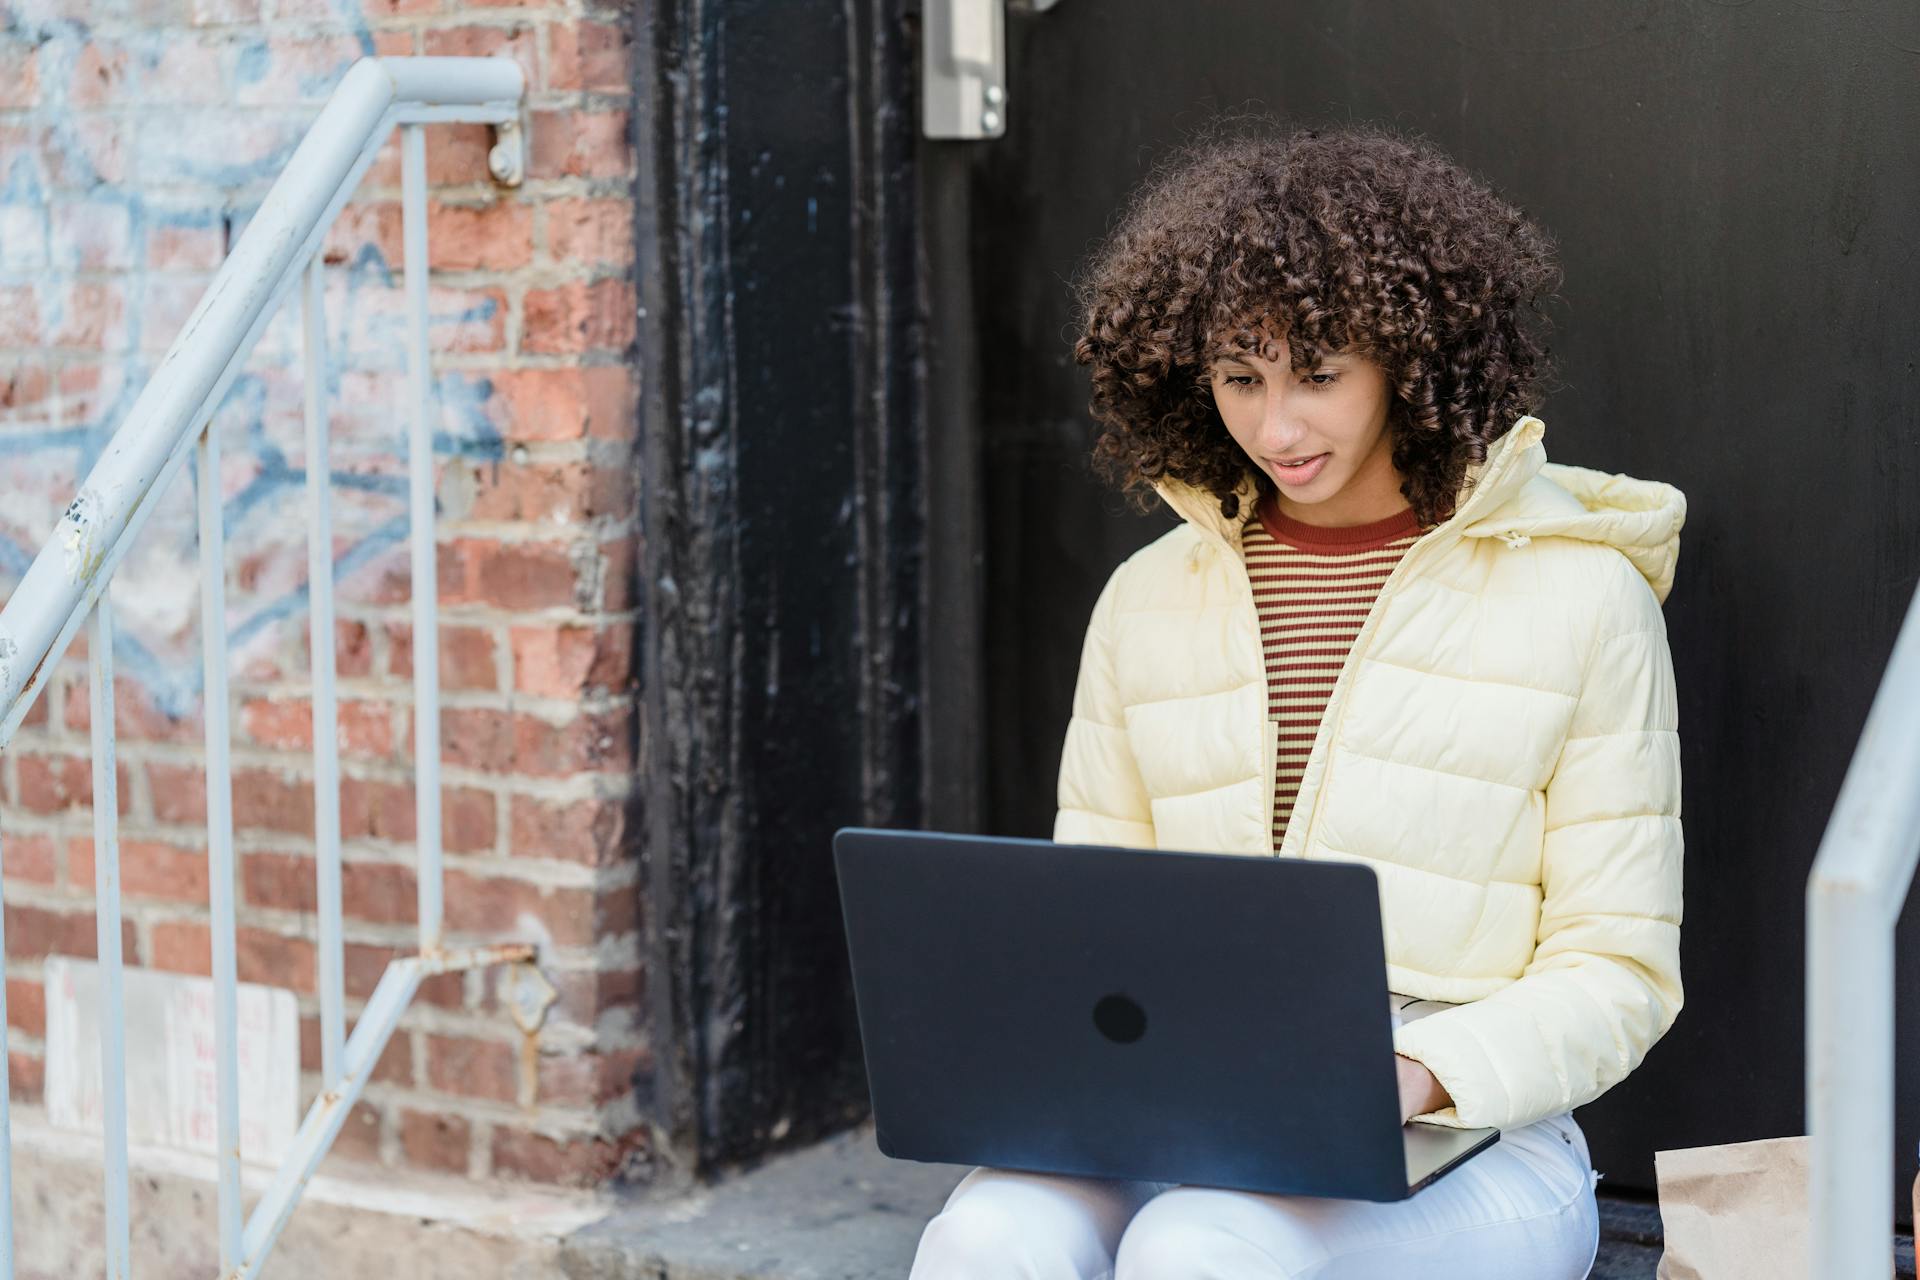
(447,960)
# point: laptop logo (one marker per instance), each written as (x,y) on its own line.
(1120,1018)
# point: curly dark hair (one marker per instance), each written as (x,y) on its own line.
(1355,237)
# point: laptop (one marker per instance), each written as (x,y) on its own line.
(1196,1018)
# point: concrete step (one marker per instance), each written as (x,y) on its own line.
(841,1210)
(354,1219)
(838,1210)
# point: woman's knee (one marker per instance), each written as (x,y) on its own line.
(977,1236)
(1177,1237)
(1027,1226)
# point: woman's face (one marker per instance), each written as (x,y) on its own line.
(1333,420)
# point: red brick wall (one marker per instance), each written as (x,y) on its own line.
(135,139)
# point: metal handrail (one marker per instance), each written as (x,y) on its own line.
(1859,882)
(66,586)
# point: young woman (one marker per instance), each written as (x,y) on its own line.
(1386,630)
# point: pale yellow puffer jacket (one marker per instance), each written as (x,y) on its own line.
(1501,747)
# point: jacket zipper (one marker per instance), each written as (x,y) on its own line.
(1270,731)
(1336,701)
(1273,766)
(1336,705)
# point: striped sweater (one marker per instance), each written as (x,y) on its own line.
(1313,587)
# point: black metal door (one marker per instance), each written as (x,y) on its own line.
(1734,192)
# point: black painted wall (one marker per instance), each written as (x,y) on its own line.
(1735,193)
(782,516)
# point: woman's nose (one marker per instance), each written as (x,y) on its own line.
(1281,428)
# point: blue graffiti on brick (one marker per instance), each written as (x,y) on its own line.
(85,204)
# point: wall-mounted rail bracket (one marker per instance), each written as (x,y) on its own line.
(507,158)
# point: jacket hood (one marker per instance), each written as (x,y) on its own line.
(1517,495)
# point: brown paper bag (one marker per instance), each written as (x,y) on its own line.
(1735,1212)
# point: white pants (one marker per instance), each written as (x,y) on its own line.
(1522,1210)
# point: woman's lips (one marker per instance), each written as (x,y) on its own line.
(1301,474)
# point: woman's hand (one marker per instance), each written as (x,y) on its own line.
(1420,1092)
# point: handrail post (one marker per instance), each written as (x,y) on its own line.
(326,740)
(213,646)
(6,1122)
(1849,1080)
(1859,880)
(426,606)
(106,887)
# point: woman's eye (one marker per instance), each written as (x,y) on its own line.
(1246,381)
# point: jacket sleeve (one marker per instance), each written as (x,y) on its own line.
(1604,981)
(1102,799)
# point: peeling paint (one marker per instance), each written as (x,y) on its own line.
(80,521)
